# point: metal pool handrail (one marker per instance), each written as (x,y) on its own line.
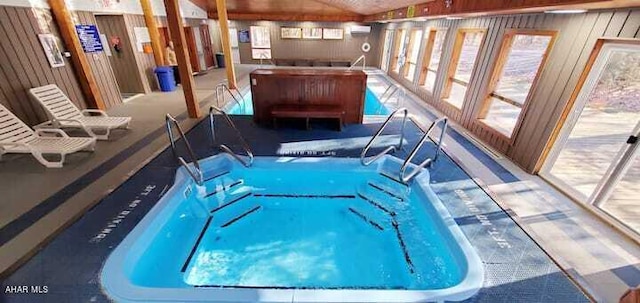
(225,148)
(391,148)
(361,58)
(384,100)
(197,174)
(428,161)
(220,89)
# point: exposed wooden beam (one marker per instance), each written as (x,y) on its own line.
(154,34)
(289,17)
(78,58)
(174,22)
(221,6)
(470,8)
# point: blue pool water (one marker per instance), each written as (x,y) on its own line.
(372,105)
(325,225)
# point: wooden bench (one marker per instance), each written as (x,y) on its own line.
(307,112)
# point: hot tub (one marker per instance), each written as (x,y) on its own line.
(295,230)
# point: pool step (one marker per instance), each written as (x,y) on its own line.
(366,219)
(215,175)
(377,202)
(241,216)
(388,190)
(224,187)
(225,199)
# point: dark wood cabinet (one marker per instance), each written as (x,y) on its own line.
(344,88)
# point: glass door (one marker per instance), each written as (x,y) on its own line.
(594,158)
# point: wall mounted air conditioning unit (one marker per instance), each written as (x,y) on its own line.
(360,29)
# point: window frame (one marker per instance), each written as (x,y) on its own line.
(409,49)
(397,44)
(498,68)
(428,54)
(453,64)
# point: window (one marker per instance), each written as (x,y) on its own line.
(387,50)
(431,60)
(463,59)
(398,51)
(521,58)
(412,54)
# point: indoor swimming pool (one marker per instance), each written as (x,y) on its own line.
(372,105)
(295,230)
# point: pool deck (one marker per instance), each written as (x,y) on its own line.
(601,260)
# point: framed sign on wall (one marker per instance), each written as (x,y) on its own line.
(311,33)
(260,53)
(290,33)
(51,49)
(260,37)
(332,33)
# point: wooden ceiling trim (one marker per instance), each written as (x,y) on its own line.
(468,8)
(289,17)
(370,7)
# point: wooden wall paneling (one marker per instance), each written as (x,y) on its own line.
(571,38)
(632,25)
(64,76)
(145,63)
(617,22)
(595,20)
(15,69)
(101,67)
(122,63)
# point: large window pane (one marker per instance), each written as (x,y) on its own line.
(428,79)
(400,51)
(521,68)
(525,54)
(456,97)
(611,113)
(438,44)
(414,49)
(468,55)
(459,76)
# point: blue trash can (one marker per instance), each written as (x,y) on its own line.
(165,78)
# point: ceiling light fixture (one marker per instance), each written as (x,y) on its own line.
(567,11)
(454,18)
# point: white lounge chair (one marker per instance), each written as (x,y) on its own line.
(17,137)
(64,114)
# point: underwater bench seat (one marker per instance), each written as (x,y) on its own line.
(344,89)
(307,112)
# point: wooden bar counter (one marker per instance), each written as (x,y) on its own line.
(308,88)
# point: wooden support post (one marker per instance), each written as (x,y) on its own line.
(158,54)
(226,42)
(78,58)
(174,21)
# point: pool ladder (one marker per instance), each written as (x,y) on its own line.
(245,146)
(221,88)
(196,171)
(403,176)
(392,90)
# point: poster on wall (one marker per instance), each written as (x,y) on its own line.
(260,37)
(233,36)
(332,34)
(290,33)
(89,38)
(51,49)
(260,53)
(244,36)
(311,33)
(142,37)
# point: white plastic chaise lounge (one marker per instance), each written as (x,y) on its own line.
(64,114)
(17,137)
